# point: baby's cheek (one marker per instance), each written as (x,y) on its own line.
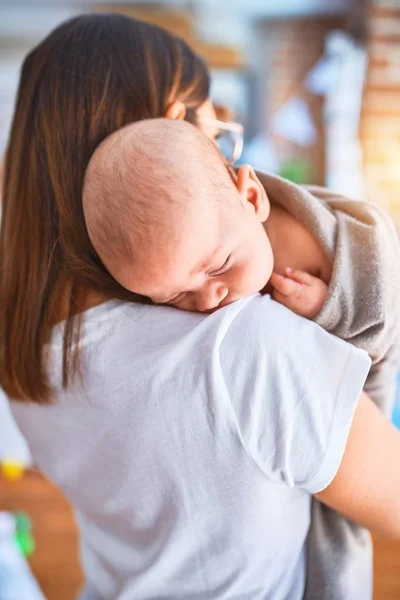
(260,274)
(245,279)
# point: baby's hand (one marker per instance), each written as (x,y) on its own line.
(304,294)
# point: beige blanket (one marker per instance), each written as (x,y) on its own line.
(362,307)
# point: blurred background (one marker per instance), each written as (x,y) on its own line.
(316,85)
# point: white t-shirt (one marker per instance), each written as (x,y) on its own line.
(192,443)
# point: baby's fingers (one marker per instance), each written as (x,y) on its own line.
(299,276)
(283,285)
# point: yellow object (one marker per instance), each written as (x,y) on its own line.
(12,470)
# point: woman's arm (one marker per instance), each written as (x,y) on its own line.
(366,488)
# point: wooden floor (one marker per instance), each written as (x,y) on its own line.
(55,562)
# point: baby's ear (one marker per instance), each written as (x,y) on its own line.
(252,192)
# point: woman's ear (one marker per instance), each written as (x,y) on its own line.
(252,192)
(176,110)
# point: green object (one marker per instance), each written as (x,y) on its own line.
(23,536)
(296,170)
(25,543)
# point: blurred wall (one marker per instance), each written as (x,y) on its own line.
(380,123)
(291,47)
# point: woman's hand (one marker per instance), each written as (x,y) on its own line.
(303,293)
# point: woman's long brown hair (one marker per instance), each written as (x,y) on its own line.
(89,77)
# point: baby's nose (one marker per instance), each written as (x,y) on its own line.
(211,297)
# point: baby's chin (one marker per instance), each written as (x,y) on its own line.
(224,303)
(264,288)
(267,289)
(231,300)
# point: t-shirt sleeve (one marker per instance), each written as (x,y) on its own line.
(293,390)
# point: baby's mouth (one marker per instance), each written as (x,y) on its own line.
(228,300)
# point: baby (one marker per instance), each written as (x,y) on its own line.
(171,222)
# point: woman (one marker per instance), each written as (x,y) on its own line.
(89,77)
(147,430)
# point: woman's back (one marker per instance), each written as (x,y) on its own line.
(157,453)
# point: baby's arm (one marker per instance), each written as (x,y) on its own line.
(303,293)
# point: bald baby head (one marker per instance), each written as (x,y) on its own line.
(141,187)
(168,220)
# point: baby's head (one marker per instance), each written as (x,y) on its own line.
(171,222)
